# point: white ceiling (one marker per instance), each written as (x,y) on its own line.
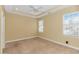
(30,10)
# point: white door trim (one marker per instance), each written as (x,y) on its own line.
(2,31)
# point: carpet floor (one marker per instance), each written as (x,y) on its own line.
(37,46)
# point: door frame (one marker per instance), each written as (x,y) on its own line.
(2,30)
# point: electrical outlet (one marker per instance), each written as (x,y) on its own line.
(67,42)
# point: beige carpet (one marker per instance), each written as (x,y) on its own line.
(37,46)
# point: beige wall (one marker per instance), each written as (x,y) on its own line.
(18,26)
(53,27)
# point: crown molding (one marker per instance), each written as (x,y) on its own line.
(39,16)
(60,8)
(53,10)
(43,14)
(21,14)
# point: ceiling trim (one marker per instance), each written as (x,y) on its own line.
(21,14)
(53,11)
(43,14)
(60,8)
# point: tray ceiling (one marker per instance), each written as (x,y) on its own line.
(30,10)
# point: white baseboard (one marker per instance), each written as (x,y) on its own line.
(21,39)
(76,48)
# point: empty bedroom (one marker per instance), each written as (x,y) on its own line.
(39,29)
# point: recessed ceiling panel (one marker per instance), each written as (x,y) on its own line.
(32,10)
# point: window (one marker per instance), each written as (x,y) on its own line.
(71,24)
(41,27)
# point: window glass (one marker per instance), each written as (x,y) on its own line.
(71,24)
(41,22)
